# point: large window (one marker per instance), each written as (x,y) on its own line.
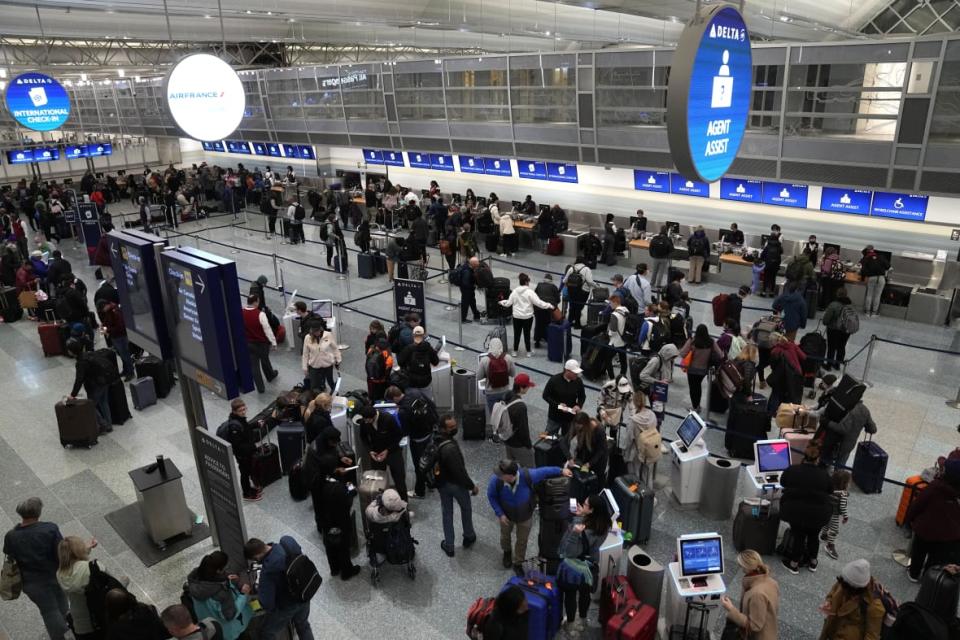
(543,89)
(419,95)
(478,95)
(631,96)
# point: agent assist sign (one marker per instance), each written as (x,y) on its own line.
(709,93)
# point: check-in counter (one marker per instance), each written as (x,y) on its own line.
(734,270)
(526,231)
(572,238)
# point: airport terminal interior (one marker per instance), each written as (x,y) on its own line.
(138,135)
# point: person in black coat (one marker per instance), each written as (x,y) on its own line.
(547,291)
(806,507)
(381,435)
(237,431)
(128,619)
(316,417)
(332,501)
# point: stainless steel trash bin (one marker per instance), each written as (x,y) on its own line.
(464,389)
(719,489)
(645,576)
(163,506)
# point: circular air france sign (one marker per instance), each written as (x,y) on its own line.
(38,102)
(205,97)
(708,98)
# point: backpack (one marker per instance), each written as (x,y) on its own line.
(393,337)
(429,463)
(575,279)
(361,237)
(697,245)
(424,412)
(614,323)
(223,431)
(456,276)
(794,271)
(477,616)
(837,271)
(500,419)
(761,333)
(498,372)
(729,378)
(737,344)
(378,363)
(679,332)
(656,335)
(95,593)
(420,362)
(659,246)
(399,544)
(303,579)
(720,304)
(484,276)
(631,328)
(849,321)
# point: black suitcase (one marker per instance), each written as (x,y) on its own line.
(593,312)
(748,422)
(291,440)
(811,297)
(491,242)
(366,268)
(379,262)
(599,294)
(549,452)
(266,465)
(869,466)
(548,541)
(119,409)
(940,592)
(588,333)
(474,422)
(554,494)
(10,309)
(77,423)
(636,507)
(340,263)
(756,528)
(154,367)
(718,401)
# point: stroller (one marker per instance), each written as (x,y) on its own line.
(389,537)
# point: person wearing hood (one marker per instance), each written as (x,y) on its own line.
(497,369)
(838,327)
(805,506)
(179,622)
(786,375)
(934,518)
(39,266)
(216,595)
(852,609)
(418,418)
(73,577)
(659,367)
(699,247)
(756,617)
(639,439)
(793,308)
(389,508)
(524,301)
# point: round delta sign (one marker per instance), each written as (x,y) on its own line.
(205,97)
(708,98)
(38,102)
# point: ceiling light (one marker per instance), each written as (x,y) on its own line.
(291,20)
(207,16)
(3,73)
(69,83)
(136,78)
(249,12)
(3,85)
(83,77)
(121,73)
(269,13)
(548,33)
(784,18)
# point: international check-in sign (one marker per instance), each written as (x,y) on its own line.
(708,98)
(38,102)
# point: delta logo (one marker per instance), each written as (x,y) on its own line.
(195,95)
(36,80)
(727,33)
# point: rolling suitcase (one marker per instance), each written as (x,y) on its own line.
(266,465)
(940,592)
(747,422)
(915,484)
(77,423)
(143,393)
(554,495)
(50,338)
(474,422)
(799,439)
(555,246)
(636,621)
(549,452)
(10,309)
(379,262)
(756,527)
(588,334)
(544,606)
(636,507)
(365,266)
(615,593)
(291,440)
(559,341)
(795,416)
(584,484)
(154,367)
(869,466)
(491,242)
(119,409)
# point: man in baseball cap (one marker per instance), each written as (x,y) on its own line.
(564,394)
(417,360)
(511,425)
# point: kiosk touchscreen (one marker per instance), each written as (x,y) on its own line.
(691,430)
(688,459)
(773,458)
(673,228)
(700,555)
(323,308)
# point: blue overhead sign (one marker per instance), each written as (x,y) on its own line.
(218,145)
(259,148)
(373,156)
(741,190)
(658,181)
(471,164)
(393,158)
(273,150)
(900,206)
(89,219)
(75,151)
(532,170)
(19,156)
(46,154)
(783,194)
(418,160)
(561,172)
(687,187)
(289,150)
(708,97)
(305,152)
(97,149)
(238,146)
(497,167)
(856,201)
(38,102)
(441,162)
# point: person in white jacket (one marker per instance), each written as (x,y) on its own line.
(639,439)
(615,328)
(320,355)
(523,300)
(508,235)
(74,576)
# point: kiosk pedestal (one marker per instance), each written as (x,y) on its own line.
(687,603)
(163,506)
(686,471)
(611,556)
(338,416)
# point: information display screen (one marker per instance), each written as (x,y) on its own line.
(305,152)
(75,151)
(289,150)
(97,149)
(658,181)
(373,156)
(497,167)
(140,316)
(441,162)
(783,194)
(207,146)
(20,156)
(419,160)
(273,150)
(684,186)
(773,456)
(741,190)
(899,206)
(259,148)
(701,556)
(218,145)
(238,146)
(471,164)
(560,172)
(393,158)
(187,327)
(46,154)
(856,201)
(532,170)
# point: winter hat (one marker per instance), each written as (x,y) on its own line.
(624,386)
(392,502)
(856,573)
(495,348)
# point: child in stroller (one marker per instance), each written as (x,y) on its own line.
(389,539)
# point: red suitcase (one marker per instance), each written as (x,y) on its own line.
(615,594)
(555,246)
(50,338)
(635,622)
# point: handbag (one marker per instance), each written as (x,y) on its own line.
(687,359)
(27,299)
(731,631)
(11,582)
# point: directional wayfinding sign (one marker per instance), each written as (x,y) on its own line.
(133,255)
(204,323)
(408,297)
(708,98)
(215,463)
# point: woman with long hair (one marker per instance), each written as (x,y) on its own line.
(580,550)
(73,574)
(641,441)
(756,617)
(704,354)
(588,447)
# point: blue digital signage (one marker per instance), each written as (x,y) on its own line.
(497,167)
(854,201)
(289,150)
(658,181)
(305,152)
(687,187)
(46,154)
(38,102)
(238,146)
(441,162)
(708,97)
(560,172)
(273,150)
(259,148)
(20,156)
(97,149)
(89,218)
(218,145)
(207,146)
(741,190)
(419,160)
(75,151)
(393,158)
(373,156)
(782,194)
(900,206)
(471,164)
(532,170)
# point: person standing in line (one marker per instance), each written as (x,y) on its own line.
(519,446)
(320,355)
(705,354)
(113,327)
(454,484)
(273,593)
(580,550)
(509,619)
(93,375)
(548,292)
(564,394)
(33,545)
(757,615)
(523,300)
(698,245)
(661,246)
(838,502)
(381,434)
(771,255)
(578,281)
(508,235)
(295,216)
(615,328)
(639,438)
(218,596)
(418,419)
(497,369)
(805,506)
(512,496)
(73,577)
(639,286)
(852,609)
(269,209)
(144,213)
(793,307)
(839,318)
(417,361)
(873,271)
(468,290)
(260,340)
(236,430)
(934,518)
(332,501)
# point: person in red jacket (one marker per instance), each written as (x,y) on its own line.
(113,327)
(934,518)
(260,340)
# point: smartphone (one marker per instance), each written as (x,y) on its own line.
(573,505)
(354,467)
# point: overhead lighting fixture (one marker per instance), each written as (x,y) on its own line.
(207,16)
(3,73)
(249,12)
(121,73)
(83,77)
(269,13)
(3,85)
(291,19)
(136,78)
(548,33)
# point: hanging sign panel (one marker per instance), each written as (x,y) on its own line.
(38,102)
(899,206)
(741,190)
(658,181)
(708,98)
(205,97)
(856,201)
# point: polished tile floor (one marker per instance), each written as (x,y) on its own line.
(80,486)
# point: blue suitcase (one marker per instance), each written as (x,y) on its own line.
(559,341)
(291,440)
(365,266)
(143,393)
(869,466)
(545,605)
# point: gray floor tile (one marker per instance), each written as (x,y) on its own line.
(85,493)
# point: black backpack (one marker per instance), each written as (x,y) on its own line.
(376,365)
(303,579)
(299,213)
(429,462)
(393,338)
(660,246)
(95,594)
(575,279)
(697,245)
(420,362)
(484,277)
(324,233)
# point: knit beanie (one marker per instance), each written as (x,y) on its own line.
(856,573)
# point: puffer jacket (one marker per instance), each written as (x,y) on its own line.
(319,354)
(221,601)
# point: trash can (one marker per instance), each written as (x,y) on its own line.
(719,489)
(645,576)
(464,389)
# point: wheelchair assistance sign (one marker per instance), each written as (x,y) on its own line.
(708,98)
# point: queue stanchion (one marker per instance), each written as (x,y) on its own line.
(866,365)
(449,306)
(347,280)
(459,346)
(283,288)
(955,403)
(266,228)
(276,268)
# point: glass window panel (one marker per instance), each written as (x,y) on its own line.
(856,127)
(903,6)
(902,27)
(952,18)
(419,97)
(418,80)
(886,20)
(461,113)
(544,115)
(420,113)
(465,96)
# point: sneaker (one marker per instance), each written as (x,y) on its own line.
(418,496)
(467,321)
(515,354)
(831,551)
(529,354)
(255,497)
(507,559)
(812,565)
(789,566)
(446,550)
